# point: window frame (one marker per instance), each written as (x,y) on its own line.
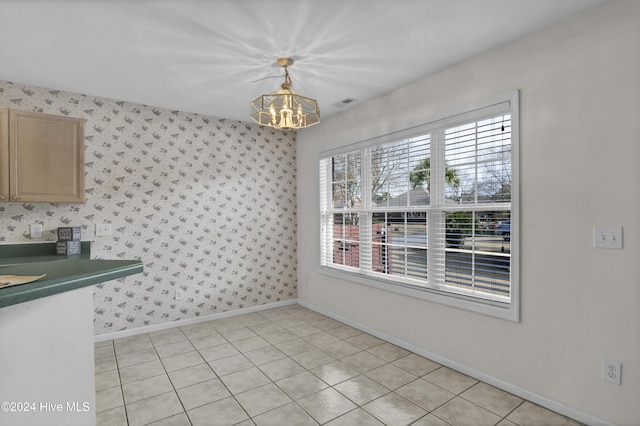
(506,103)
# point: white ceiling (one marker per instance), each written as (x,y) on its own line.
(203,56)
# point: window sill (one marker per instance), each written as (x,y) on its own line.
(473,304)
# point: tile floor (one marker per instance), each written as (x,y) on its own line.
(290,366)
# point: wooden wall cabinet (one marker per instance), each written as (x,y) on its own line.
(41,158)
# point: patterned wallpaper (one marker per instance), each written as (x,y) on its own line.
(208,205)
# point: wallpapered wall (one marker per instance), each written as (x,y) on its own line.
(208,205)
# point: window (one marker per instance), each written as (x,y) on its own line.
(429,211)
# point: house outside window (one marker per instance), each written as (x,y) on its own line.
(430,211)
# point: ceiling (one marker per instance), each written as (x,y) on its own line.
(205,56)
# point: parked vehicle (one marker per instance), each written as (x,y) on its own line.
(504,229)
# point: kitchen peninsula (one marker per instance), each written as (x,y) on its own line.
(46,333)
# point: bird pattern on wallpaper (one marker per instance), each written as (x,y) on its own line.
(208,205)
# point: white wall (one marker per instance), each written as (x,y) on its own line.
(580,147)
(46,361)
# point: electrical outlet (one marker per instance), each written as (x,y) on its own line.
(611,371)
(36,230)
(103,229)
(179,295)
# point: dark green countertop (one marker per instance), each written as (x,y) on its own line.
(63,273)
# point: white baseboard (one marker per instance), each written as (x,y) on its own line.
(187,321)
(551,404)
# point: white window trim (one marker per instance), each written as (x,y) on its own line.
(509,311)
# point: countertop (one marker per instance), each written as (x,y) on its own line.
(63,273)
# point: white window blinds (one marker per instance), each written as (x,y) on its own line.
(430,208)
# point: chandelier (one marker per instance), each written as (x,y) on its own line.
(285,109)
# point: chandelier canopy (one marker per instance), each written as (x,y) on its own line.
(285,109)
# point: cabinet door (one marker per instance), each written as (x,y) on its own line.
(46,158)
(4,154)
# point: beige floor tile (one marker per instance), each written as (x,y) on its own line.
(334,372)
(202,393)
(109,398)
(141,371)
(108,379)
(105,364)
(279,336)
(179,419)
(103,351)
(304,330)
(450,380)
(326,405)
(363,361)
(364,341)
(289,321)
(262,399)
(362,389)
(238,334)
(344,331)
(250,344)
(493,399)
(224,412)
(425,394)
(340,349)
(253,318)
(431,420)
(388,352)
(244,380)
(137,357)
(295,346)
(321,339)
(219,351)
(113,417)
(530,414)
(326,324)
(289,414)
(146,388)
(191,375)
(199,330)
(264,327)
(392,409)
(263,355)
(357,417)
(226,324)
(460,412)
(173,349)
(301,385)
(281,368)
(132,345)
(207,341)
(312,358)
(152,409)
(224,366)
(391,376)
(178,362)
(172,336)
(415,364)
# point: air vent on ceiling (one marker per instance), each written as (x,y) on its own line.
(344,102)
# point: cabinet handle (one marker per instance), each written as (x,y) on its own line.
(14,198)
(2,198)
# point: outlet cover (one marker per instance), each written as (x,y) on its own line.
(103,229)
(611,371)
(36,230)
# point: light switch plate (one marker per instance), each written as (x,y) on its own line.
(608,237)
